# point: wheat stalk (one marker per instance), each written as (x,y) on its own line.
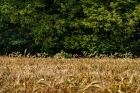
(92,85)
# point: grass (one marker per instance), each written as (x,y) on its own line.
(83,75)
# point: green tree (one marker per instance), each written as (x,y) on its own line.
(101,26)
(17,20)
(113,25)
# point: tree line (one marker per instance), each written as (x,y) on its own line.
(74,26)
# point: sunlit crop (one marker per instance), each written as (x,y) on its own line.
(75,75)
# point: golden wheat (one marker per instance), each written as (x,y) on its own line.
(83,75)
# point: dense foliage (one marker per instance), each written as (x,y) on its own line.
(94,26)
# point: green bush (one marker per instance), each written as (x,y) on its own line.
(62,54)
(135,48)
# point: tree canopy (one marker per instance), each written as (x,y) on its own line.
(101,26)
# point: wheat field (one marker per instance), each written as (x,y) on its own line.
(75,75)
